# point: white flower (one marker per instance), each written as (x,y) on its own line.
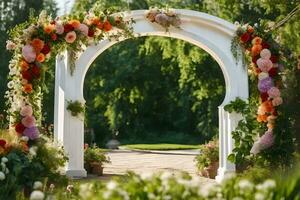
(111,185)
(166,175)
(32,151)
(37,195)
(263,75)
(269,184)
(37,185)
(10,45)
(259,196)
(69,188)
(24,138)
(2,176)
(4,160)
(245,184)
(146,175)
(85,190)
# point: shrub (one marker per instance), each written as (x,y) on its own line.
(209,153)
(94,155)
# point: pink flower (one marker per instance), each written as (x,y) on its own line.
(26,111)
(267,140)
(274,92)
(32,132)
(264,64)
(59,28)
(277,101)
(70,37)
(10,45)
(28,121)
(84,29)
(265,54)
(28,53)
(263,75)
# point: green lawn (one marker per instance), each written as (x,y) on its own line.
(161,147)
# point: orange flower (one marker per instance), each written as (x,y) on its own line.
(75,23)
(270,126)
(24,65)
(40,57)
(37,44)
(256,40)
(262,118)
(95,21)
(49,28)
(255,50)
(27,88)
(268,106)
(24,146)
(107,26)
(250,29)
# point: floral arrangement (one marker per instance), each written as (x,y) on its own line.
(34,43)
(76,108)
(265,67)
(164,17)
(166,185)
(94,155)
(209,154)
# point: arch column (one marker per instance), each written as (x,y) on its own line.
(68,130)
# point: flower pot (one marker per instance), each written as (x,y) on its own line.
(212,169)
(97,168)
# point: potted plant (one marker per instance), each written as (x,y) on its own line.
(208,159)
(94,157)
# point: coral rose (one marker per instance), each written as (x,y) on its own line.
(28,53)
(70,37)
(261,118)
(267,106)
(107,26)
(27,88)
(28,121)
(24,65)
(26,111)
(37,44)
(49,28)
(277,101)
(75,23)
(255,50)
(40,58)
(256,40)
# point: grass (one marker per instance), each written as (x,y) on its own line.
(161,147)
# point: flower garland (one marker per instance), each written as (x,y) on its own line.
(265,67)
(33,44)
(164,17)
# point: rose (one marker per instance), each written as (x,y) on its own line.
(28,53)
(265,84)
(70,37)
(32,132)
(28,121)
(84,29)
(245,37)
(26,111)
(264,64)
(274,92)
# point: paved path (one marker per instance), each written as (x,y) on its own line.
(145,161)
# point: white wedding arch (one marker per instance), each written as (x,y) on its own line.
(208,32)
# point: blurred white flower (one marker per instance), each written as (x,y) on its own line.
(37,185)
(32,151)
(245,185)
(259,196)
(24,138)
(146,175)
(2,176)
(10,45)
(111,185)
(166,175)
(37,195)
(70,188)
(4,160)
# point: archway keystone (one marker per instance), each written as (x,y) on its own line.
(208,32)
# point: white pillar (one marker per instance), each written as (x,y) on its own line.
(68,130)
(227,123)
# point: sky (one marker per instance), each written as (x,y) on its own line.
(64,6)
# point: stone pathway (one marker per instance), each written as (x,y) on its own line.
(150,161)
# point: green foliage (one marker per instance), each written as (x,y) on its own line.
(41,163)
(95,154)
(209,153)
(76,108)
